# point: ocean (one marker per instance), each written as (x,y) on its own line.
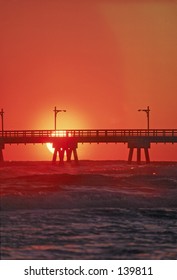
(91,210)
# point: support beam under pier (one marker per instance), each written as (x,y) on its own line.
(65,149)
(130,156)
(1,156)
(138,155)
(55,155)
(69,154)
(61,154)
(146,152)
(139,144)
(75,155)
(1,152)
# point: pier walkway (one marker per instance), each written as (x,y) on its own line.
(65,142)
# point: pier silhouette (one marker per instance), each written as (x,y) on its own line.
(65,142)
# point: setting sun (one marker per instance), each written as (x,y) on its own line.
(61,133)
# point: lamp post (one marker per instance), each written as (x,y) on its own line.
(2,120)
(55,116)
(147,113)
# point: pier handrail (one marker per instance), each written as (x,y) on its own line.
(88,133)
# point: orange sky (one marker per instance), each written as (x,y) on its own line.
(101,60)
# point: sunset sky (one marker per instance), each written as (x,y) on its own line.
(101,60)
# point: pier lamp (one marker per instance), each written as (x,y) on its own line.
(147,113)
(2,120)
(55,116)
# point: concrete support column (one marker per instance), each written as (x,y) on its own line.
(146,152)
(61,154)
(54,155)
(130,156)
(68,154)
(75,155)
(1,152)
(1,156)
(138,155)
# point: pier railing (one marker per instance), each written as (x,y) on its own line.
(88,135)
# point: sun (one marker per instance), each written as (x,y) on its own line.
(61,133)
(50,147)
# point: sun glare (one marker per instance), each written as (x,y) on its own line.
(50,147)
(61,133)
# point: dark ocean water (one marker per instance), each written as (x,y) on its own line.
(94,210)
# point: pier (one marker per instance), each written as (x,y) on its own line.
(65,142)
